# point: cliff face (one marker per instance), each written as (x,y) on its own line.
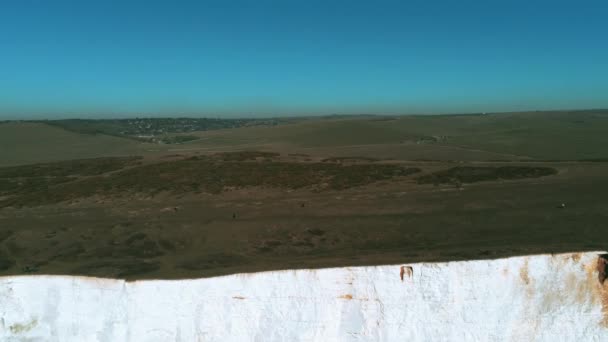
(541,298)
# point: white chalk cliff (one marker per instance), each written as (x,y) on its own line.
(533,298)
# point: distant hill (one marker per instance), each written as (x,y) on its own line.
(558,135)
(148,129)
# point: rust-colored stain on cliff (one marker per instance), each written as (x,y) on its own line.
(523,273)
(599,287)
(346,296)
(604,297)
(351,277)
(406,270)
(602,269)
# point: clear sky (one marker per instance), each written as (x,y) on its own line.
(242,58)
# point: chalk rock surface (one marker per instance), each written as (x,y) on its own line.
(531,298)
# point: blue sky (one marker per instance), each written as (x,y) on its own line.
(265,58)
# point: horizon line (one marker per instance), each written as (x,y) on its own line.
(288,116)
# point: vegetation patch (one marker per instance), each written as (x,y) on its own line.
(212,174)
(78,167)
(117,268)
(268,245)
(5,261)
(29,179)
(349,159)
(315,231)
(5,234)
(68,252)
(177,139)
(130,270)
(13,186)
(137,245)
(595,160)
(245,155)
(214,260)
(472,174)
